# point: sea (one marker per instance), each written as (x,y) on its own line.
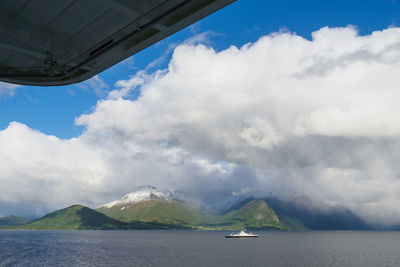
(198,248)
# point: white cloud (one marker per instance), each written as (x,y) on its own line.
(8,88)
(283,115)
(200,38)
(260,133)
(96,83)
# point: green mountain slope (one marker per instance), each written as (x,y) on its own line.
(13,220)
(76,217)
(255,214)
(162,213)
(290,222)
(173,213)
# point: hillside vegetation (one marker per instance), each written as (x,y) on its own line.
(76,217)
(157,210)
(151,208)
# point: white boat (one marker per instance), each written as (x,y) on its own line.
(241,234)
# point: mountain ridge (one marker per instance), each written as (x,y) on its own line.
(142,194)
(75,217)
(314,217)
(151,208)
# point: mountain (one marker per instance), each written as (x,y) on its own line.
(13,220)
(75,217)
(303,212)
(255,214)
(151,205)
(145,193)
(151,208)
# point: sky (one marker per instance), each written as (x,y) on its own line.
(290,98)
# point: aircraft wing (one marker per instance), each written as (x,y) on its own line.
(59,42)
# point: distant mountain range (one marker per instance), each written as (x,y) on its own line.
(151,208)
(316,216)
(13,220)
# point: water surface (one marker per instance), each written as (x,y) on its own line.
(194,248)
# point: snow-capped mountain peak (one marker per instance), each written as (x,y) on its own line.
(142,194)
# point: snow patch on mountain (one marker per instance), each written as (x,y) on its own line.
(145,193)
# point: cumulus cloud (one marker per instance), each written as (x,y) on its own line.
(41,172)
(200,38)
(284,115)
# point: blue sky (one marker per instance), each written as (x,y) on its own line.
(53,110)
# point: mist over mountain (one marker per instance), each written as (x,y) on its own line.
(317,216)
(302,212)
(13,220)
(144,193)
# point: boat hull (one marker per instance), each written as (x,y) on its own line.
(250,236)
